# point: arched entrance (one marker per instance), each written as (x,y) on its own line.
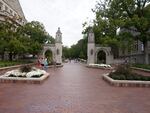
(97,53)
(101,57)
(49,55)
(54,51)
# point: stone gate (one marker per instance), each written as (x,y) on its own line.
(56,48)
(93,50)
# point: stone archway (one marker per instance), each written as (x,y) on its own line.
(93,51)
(56,49)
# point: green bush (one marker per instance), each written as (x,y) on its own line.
(25,68)
(123,69)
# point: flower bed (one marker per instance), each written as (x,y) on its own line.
(103,66)
(124,76)
(133,76)
(25,75)
(125,83)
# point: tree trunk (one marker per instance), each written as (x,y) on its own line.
(33,55)
(146,56)
(14,56)
(10,56)
(2,56)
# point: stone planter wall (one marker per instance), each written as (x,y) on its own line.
(24,80)
(125,83)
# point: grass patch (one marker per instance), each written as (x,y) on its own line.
(12,63)
(143,66)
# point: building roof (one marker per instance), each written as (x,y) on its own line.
(16,6)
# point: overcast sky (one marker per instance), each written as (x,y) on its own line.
(66,14)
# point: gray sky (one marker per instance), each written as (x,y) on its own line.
(66,14)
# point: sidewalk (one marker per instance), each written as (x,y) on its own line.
(73,89)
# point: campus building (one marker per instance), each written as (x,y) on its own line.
(11,11)
(135,52)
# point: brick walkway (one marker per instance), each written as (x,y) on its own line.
(73,89)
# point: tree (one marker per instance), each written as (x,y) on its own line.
(3,42)
(49,39)
(81,55)
(26,39)
(15,47)
(66,52)
(34,35)
(133,15)
(79,49)
(34,30)
(6,35)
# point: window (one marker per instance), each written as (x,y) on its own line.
(11,11)
(1,5)
(6,8)
(142,47)
(135,46)
(15,15)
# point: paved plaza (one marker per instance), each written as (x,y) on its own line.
(73,89)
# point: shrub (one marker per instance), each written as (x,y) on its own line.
(117,76)
(123,69)
(25,68)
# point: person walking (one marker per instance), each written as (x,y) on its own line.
(39,62)
(54,65)
(45,64)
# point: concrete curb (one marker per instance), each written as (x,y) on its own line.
(125,83)
(24,80)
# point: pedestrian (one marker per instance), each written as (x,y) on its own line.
(54,65)
(126,61)
(39,62)
(70,60)
(45,64)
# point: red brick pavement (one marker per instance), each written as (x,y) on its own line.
(73,89)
